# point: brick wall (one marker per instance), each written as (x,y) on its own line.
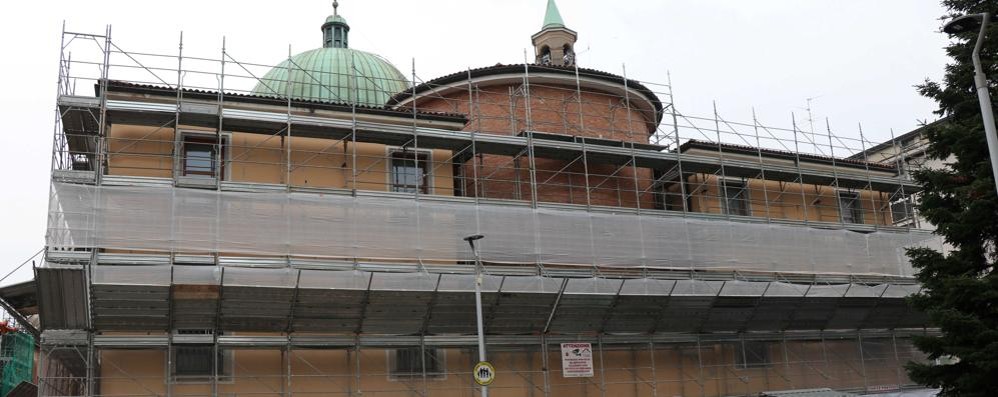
(502,109)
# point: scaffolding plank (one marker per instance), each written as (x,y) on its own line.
(63,300)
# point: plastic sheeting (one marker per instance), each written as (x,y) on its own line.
(385,228)
(357,280)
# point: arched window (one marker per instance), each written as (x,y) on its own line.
(569,58)
(545,58)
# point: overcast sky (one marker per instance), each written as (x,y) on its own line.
(858,59)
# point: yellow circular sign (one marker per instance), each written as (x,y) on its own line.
(484,373)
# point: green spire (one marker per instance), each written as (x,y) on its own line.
(552,18)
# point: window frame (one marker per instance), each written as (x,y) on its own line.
(436,360)
(225,362)
(757,356)
(907,211)
(854,207)
(420,155)
(725,197)
(220,158)
(545,57)
(568,55)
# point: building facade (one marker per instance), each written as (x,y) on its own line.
(304,237)
(909,153)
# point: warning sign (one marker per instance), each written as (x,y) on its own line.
(577,360)
(484,373)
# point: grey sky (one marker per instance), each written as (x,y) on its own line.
(859,59)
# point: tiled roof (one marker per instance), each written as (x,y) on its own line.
(531,68)
(751,150)
(123,86)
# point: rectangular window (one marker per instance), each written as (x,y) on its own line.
(735,199)
(752,354)
(198,362)
(850,207)
(408,171)
(201,156)
(877,349)
(409,363)
(902,211)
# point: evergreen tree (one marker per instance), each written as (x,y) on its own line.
(960,287)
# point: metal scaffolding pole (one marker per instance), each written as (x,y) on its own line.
(900,165)
(217,164)
(529,132)
(869,180)
(800,174)
(546,366)
(723,177)
(762,167)
(835,175)
(679,149)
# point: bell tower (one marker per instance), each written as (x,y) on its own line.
(555,43)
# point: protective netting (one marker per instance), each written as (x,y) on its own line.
(16,360)
(342,226)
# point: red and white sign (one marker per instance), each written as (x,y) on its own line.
(577,360)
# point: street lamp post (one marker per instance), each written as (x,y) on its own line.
(967,23)
(478,301)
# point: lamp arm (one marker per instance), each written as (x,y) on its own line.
(976,55)
(984,97)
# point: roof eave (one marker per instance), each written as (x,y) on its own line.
(124,87)
(656,103)
(803,157)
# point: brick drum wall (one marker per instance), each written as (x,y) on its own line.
(501,109)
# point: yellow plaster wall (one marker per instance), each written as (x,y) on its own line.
(324,163)
(792,201)
(140,151)
(319,163)
(626,371)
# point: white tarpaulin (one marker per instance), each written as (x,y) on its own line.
(382,228)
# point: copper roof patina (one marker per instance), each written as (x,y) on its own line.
(552,18)
(334,72)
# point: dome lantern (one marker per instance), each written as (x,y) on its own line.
(335,30)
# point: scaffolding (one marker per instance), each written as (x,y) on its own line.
(699,255)
(738,150)
(17,354)
(690,169)
(689,365)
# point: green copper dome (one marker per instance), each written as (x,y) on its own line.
(324,74)
(336,18)
(335,72)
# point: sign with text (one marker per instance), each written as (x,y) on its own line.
(484,373)
(577,360)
